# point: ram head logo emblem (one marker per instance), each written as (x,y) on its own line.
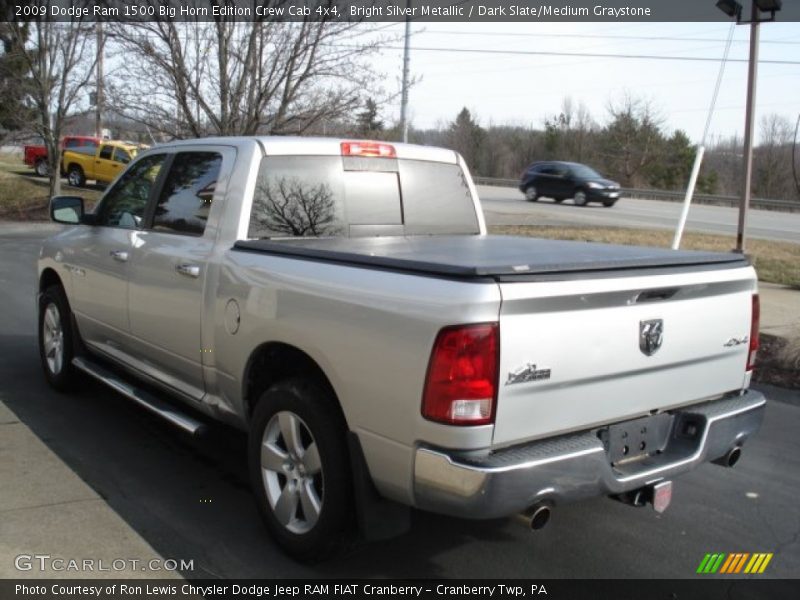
(651,335)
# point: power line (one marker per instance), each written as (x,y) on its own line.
(719,83)
(578,54)
(600,36)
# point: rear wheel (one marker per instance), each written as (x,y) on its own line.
(300,469)
(531,195)
(580,198)
(42,168)
(56,339)
(75,176)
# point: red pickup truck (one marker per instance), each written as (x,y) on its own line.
(36,156)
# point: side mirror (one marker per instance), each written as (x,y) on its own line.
(67,209)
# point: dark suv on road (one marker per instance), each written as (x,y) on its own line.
(562,180)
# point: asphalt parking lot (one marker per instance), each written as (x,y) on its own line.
(190,498)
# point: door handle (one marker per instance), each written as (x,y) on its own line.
(119,255)
(188,270)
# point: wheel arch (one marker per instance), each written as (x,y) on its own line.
(48,278)
(272,362)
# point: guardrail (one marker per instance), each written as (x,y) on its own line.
(733,201)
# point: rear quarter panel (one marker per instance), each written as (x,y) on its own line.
(370,331)
(84,161)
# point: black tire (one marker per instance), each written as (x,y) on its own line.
(609,203)
(580,198)
(303,534)
(75,176)
(530,194)
(42,168)
(57,339)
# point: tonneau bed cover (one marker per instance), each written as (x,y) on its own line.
(488,256)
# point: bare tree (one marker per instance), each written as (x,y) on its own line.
(724,157)
(567,135)
(290,207)
(239,78)
(583,127)
(773,158)
(59,59)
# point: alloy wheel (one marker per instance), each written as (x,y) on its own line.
(291,471)
(53,339)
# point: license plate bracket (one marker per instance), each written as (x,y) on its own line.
(636,439)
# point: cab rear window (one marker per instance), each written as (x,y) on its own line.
(332,196)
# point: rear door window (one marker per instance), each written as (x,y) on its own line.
(105,152)
(122,156)
(185,198)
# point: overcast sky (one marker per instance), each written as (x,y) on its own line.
(524,89)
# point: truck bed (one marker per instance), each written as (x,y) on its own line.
(490,256)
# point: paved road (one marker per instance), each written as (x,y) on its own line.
(190,499)
(506,206)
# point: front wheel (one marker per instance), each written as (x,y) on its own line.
(56,339)
(531,195)
(609,203)
(579,198)
(300,469)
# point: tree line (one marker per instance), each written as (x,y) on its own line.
(632,146)
(167,80)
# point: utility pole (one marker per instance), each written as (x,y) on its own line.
(406,59)
(752,71)
(732,8)
(98,123)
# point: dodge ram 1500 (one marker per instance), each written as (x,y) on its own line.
(342,302)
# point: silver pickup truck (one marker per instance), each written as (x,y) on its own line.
(342,302)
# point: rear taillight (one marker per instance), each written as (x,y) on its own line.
(461,386)
(755,318)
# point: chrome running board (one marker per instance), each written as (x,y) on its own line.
(155,405)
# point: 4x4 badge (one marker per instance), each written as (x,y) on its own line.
(651,335)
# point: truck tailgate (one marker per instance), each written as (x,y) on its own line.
(570,350)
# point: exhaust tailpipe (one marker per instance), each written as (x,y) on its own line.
(731,458)
(537,516)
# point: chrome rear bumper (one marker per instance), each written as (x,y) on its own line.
(576,466)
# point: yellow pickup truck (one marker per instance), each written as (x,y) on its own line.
(107,161)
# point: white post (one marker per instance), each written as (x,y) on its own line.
(687,201)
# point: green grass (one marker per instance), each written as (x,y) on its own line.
(24,196)
(776,262)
